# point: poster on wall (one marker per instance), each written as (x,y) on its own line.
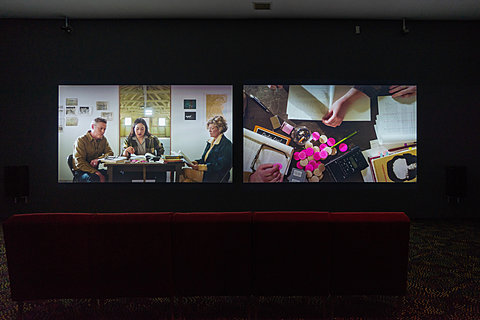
(102,105)
(70,111)
(189,104)
(85,110)
(107,116)
(72,121)
(71,102)
(215,105)
(190,115)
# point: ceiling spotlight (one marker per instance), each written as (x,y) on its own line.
(66,27)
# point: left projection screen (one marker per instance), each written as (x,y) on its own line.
(145,133)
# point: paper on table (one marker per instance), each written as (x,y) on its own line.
(272,152)
(312,102)
(367,172)
(308,104)
(396,120)
(377,147)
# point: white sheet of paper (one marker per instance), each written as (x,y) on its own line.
(396,120)
(367,172)
(304,103)
(312,102)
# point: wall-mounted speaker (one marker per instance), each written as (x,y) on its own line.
(16,182)
(456,181)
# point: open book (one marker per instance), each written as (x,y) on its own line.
(113,159)
(258,149)
(312,102)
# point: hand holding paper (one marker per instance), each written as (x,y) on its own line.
(331,104)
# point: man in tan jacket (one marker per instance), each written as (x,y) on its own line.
(87,151)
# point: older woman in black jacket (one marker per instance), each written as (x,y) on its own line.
(217,155)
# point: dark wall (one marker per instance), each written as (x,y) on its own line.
(441,57)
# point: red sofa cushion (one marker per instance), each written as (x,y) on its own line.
(212,253)
(291,253)
(132,254)
(369,252)
(64,255)
(47,255)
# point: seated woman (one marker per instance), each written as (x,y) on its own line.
(140,142)
(218,152)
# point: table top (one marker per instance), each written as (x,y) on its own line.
(276,102)
(140,164)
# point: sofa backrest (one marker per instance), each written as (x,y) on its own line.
(52,255)
(369,252)
(212,253)
(291,253)
(62,255)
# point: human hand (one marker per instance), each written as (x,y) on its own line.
(94,163)
(275,86)
(267,172)
(334,117)
(194,165)
(129,150)
(402,91)
(101,176)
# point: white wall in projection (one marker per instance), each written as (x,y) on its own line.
(188,135)
(77,108)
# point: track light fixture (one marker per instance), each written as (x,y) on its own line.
(67,27)
(404,27)
(357,29)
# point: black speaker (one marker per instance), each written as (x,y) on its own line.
(16,181)
(456,182)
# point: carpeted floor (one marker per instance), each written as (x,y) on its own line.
(443,283)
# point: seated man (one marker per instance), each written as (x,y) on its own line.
(87,151)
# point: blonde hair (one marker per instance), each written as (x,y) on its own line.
(220,122)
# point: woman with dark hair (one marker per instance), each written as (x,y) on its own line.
(402,168)
(140,141)
(217,155)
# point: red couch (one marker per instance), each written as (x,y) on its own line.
(291,253)
(72,255)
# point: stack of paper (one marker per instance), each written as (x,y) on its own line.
(396,120)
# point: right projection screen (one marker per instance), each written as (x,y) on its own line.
(330,133)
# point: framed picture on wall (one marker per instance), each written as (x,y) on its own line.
(190,115)
(72,121)
(102,105)
(107,116)
(84,110)
(70,111)
(71,101)
(189,104)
